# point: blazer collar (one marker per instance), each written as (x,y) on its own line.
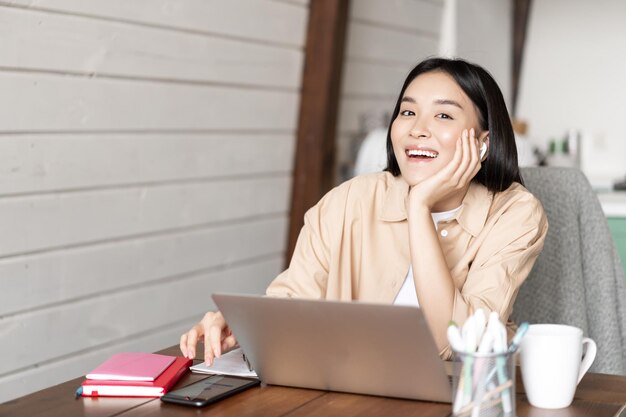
(471,217)
(475,209)
(395,199)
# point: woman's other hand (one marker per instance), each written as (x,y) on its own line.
(217,337)
(454,177)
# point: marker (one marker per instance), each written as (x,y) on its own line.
(486,343)
(521,331)
(468,333)
(485,346)
(499,346)
(479,322)
(456,342)
(454,337)
(79,392)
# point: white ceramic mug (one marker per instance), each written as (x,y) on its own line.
(552,363)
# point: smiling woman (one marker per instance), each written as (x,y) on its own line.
(445,227)
(465,96)
(434,114)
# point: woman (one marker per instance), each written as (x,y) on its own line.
(447,226)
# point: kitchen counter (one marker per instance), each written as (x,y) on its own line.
(613,203)
(614,206)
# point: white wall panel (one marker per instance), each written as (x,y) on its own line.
(367,42)
(51,162)
(373,78)
(302,3)
(253,20)
(485,36)
(146,151)
(81,103)
(409,15)
(104,48)
(59,220)
(352,110)
(45,279)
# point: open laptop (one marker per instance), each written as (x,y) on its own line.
(353,347)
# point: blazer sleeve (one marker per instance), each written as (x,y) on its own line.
(503,261)
(307,274)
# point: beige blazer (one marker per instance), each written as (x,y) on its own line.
(354,245)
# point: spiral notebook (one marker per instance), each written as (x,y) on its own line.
(230,363)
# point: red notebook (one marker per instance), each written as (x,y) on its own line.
(156,388)
(132,366)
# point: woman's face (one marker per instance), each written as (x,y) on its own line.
(433,114)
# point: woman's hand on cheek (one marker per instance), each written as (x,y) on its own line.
(453,178)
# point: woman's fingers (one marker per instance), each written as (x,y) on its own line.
(473,160)
(470,164)
(213,339)
(183,345)
(456,175)
(451,168)
(476,157)
(212,328)
(228,343)
(212,347)
(467,155)
(461,161)
(189,340)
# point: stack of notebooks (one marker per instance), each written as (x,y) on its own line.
(133,374)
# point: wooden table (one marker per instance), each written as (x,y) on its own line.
(598,395)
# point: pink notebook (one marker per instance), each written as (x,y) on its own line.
(132,366)
(161,385)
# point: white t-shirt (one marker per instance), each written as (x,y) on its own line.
(407,296)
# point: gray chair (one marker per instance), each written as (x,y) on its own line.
(578,278)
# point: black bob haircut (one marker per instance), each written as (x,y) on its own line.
(500,169)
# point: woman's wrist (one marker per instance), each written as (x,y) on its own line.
(417,205)
(418,215)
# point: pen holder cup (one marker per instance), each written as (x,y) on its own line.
(483,384)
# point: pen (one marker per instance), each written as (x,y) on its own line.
(247,363)
(79,392)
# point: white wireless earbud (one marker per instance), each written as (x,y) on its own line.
(483,151)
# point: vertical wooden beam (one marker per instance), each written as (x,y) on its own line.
(521,13)
(319,105)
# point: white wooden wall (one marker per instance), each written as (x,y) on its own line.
(146,151)
(385,40)
(485,37)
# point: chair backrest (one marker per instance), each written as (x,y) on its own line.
(577,279)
